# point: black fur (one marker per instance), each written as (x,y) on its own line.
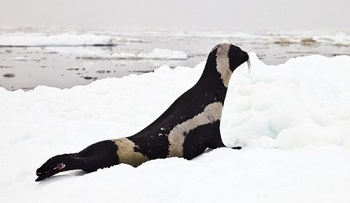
(153,141)
(199,139)
(99,155)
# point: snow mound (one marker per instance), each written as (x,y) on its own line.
(293,121)
(301,103)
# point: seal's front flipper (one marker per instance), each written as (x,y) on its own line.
(216,142)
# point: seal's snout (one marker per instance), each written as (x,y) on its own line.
(245,56)
(237,57)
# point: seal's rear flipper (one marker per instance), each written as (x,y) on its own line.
(55,165)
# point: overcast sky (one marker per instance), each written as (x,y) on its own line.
(178,14)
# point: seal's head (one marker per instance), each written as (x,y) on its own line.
(230,54)
(222,61)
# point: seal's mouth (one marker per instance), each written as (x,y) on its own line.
(46,173)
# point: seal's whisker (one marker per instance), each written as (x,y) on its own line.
(249,64)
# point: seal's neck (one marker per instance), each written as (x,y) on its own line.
(215,79)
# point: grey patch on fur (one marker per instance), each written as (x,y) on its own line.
(223,63)
(127,154)
(176,137)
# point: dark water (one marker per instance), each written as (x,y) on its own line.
(64,66)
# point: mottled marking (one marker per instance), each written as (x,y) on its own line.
(127,154)
(223,63)
(213,111)
(176,137)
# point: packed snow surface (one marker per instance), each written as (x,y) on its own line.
(292,120)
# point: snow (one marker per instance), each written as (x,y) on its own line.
(96,53)
(293,121)
(44,39)
(72,38)
(155,54)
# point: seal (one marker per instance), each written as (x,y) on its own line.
(186,129)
